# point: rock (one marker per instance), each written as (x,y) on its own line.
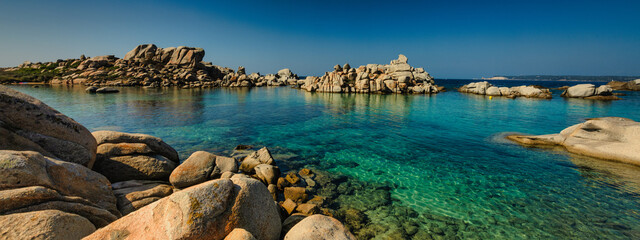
(292,178)
(308,209)
(289,206)
(32,182)
(224,164)
(135,167)
(28,124)
(296,194)
(610,138)
(107,90)
(317,227)
(493,91)
(91,89)
(291,221)
(581,90)
(186,57)
(209,210)
(633,85)
(156,144)
(240,234)
(196,169)
(262,156)
(135,194)
(141,52)
(123,149)
(337,68)
(46,224)
(285,73)
(268,174)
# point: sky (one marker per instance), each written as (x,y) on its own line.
(450,39)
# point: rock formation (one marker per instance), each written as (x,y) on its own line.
(149,66)
(319,227)
(633,85)
(610,138)
(124,156)
(44,194)
(396,77)
(486,88)
(28,124)
(31,184)
(589,91)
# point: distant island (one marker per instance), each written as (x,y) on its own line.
(565,78)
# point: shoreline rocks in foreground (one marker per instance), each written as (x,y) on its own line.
(609,138)
(396,77)
(46,193)
(486,88)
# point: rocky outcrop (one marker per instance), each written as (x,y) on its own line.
(200,167)
(46,224)
(210,210)
(319,227)
(590,91)
(28,124)
(125,156)
(486,88)
(32,182)
(633,85)
(396,77)
(610,138)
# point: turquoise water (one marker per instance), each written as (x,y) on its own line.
(439,155)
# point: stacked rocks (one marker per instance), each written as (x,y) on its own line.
(139,165)
(51,193)
(589,91)
(486,88)
(397,77)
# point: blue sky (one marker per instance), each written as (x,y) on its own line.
(451,39)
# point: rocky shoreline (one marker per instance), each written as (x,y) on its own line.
(72,184)
(149,66)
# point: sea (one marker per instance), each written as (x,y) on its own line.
(409,166)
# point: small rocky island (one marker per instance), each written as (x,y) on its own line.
(633,85)
(486,88)
(145,65)
(60,181)
(610,138)
(590,91)
(395,77)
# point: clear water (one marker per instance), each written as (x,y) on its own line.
(442,154)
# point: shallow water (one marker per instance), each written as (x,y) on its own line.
(440,154)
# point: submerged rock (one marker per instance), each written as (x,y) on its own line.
(610,138)
(319,227)
(209,210)
(27,124)
(107,90)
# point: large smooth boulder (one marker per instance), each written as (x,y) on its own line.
(154,143)
(141,52)
(209,210)
(240,234)
(610,138)
(28,124)
(196,169)
(186,56)
(135,167)
(33,182)
(581,90)
(319,227)
(46,224)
